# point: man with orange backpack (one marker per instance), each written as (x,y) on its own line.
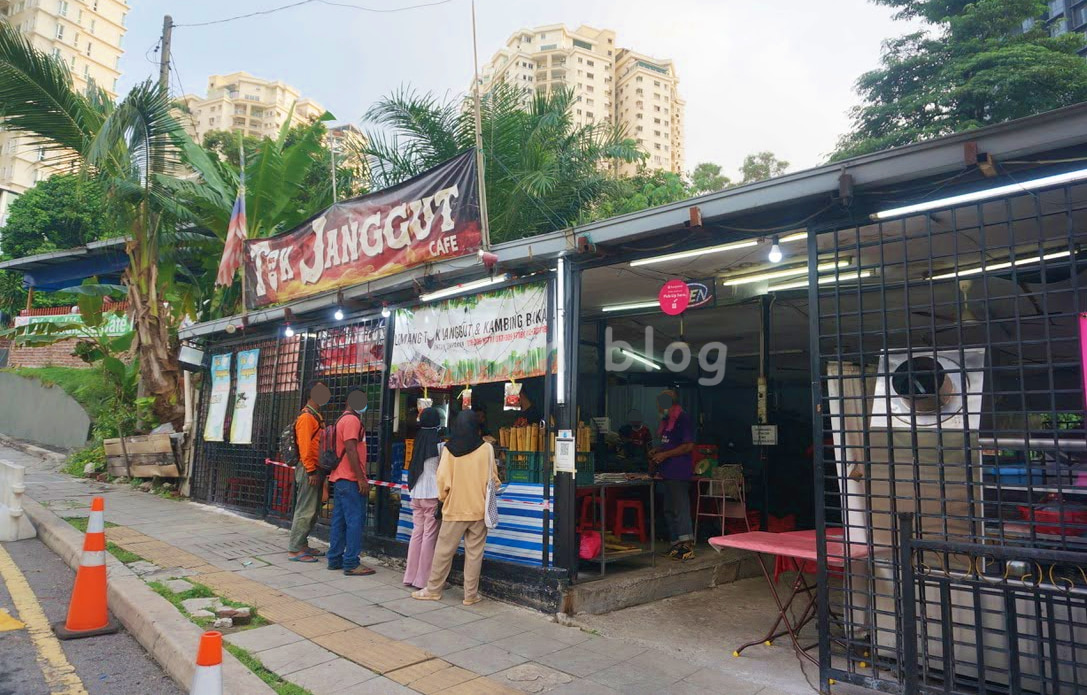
(300,446)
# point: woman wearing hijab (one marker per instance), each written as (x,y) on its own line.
(423,483)
(466,466)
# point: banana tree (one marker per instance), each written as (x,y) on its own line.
(129,149)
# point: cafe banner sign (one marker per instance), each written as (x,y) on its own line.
(496,336)
(431,217)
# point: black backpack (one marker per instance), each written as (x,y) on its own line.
(329,459)
(288,440)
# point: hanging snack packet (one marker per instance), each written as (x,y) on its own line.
(466,399)
(512,401)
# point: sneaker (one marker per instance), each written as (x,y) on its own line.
(681,552)
(334,567)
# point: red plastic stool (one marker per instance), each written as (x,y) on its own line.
(587,519)
(621,508)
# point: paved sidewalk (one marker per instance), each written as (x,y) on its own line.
(365,635)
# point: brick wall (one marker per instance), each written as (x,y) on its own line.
(55,355)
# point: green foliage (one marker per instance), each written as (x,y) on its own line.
(761,166)
(78,461)
(707,177)
(543,171)
(646,190)
(976,66)
(60,212)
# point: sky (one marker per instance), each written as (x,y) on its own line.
(756,75)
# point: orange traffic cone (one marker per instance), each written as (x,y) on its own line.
(88,613)
(208,679)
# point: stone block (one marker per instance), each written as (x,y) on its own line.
(198,604)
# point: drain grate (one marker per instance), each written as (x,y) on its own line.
(243,547)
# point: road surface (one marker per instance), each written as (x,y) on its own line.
(37,581)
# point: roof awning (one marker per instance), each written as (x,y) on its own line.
(58,270)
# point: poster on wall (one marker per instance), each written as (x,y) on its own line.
(488,337)
(431,217)
(220,394)
(245,398)
(352,349)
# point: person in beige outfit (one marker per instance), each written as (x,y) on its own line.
(466,465)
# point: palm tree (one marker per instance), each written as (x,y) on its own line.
(130,149)
(542,170)
(286,181)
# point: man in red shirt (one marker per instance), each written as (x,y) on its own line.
(307,477)
(350,490)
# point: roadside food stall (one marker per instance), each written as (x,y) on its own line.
(856,360)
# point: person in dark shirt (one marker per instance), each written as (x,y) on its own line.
(673,464)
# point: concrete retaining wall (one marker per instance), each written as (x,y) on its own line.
(41,414)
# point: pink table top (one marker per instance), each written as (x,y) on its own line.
(798,545)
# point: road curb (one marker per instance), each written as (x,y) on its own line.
(54,457)
(164,632)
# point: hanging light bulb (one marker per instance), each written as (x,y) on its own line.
(385,311)
(338,315)
(775,254)
(288,331)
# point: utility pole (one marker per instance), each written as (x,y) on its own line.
(164,55)
(484,218)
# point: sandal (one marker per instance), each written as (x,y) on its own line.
(302,557)
(360,571)
(314,552)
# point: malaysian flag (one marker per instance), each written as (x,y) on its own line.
(235,242)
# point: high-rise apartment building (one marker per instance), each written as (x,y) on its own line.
(84,34)
(611,84)
(241,102)
(1064,16)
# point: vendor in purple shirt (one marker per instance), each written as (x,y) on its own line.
(672,462)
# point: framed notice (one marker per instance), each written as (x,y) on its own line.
(220,394)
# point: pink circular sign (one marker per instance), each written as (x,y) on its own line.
(674,297)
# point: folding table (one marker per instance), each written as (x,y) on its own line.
(799,547)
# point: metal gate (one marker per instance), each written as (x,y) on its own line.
(948,369)
(345,356)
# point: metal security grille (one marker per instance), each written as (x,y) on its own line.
(948,350)
(346,356)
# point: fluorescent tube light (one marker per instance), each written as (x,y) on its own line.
(560,330)
(679,255)
(466,287)
(793,237)
(822,281)
(639,358)
(783,273)
(1000,266)
(631,306)
(994,192)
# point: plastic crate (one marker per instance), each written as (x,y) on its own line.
(523,467)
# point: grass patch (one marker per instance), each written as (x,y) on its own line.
(201,591)
(125,556)
(276,683)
